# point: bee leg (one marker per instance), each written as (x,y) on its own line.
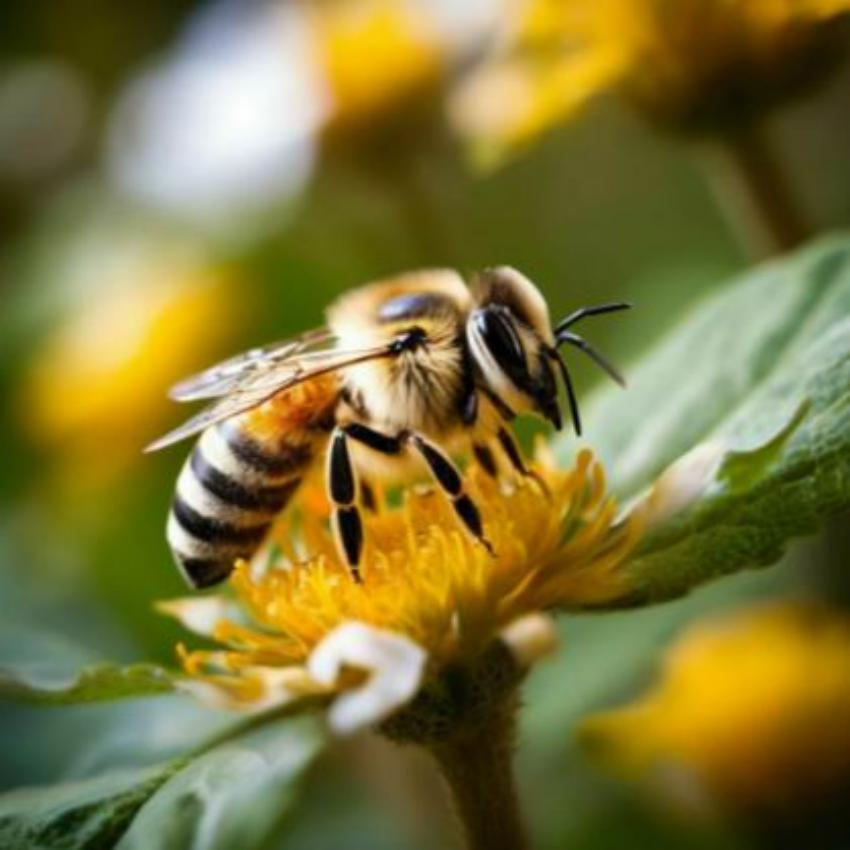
(484,456)
(514,455)
(375,440)
(447,476)
(441,467)
(342,489)
(367,497)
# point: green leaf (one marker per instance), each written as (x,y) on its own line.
(81,815)
(746,335)
(755,388)
(44,668)
(233,792)
(234,796)
(92,684)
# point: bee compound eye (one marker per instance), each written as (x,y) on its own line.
(496,329)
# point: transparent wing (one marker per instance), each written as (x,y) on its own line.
(225,377)
(252,386)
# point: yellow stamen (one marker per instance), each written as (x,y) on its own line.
(426,579)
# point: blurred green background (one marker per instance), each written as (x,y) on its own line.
(168,196)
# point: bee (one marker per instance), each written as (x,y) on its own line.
(416,366)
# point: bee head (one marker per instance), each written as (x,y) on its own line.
(511,340)
(516,349)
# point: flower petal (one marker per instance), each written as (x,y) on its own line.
(396,666)
(198,614)
(531,639)
(255,689)
(751,711)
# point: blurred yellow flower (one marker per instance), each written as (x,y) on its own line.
(379,59)
(692,64)
(93,394)
(426,582)
(752,713)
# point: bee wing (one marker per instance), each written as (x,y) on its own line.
(253,386)
(225,377)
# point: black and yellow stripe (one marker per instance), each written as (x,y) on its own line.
(230,491)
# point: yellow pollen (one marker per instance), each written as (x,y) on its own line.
(425,578)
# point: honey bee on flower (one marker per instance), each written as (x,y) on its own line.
(432,599)
(416,365)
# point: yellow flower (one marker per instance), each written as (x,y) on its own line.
(442,596)
(692,64)
(752,713)
(93,394)
(378,59)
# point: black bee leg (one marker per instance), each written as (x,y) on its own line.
(485,459)
(375,440)
(441,467)
(342,489)
(447,476)
(512,451)
(514,455)
(367,497)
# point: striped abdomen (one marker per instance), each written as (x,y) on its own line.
(231,488)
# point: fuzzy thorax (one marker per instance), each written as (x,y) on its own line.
(418,390)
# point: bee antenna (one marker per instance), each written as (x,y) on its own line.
(599,359)
(585,312)
(556,357)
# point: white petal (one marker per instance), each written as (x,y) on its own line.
(280,686)
(531,639)
(396,665)
(285,684)
(198,614)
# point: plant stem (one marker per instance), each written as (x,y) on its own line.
(466,719)
(754,191)
(477,765)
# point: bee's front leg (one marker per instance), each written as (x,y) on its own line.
(514,455)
